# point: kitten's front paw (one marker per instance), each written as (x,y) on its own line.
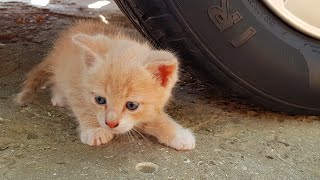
(184,140)
(96,136)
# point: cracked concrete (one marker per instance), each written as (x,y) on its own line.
(234,141)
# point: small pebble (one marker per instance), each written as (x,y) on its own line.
(200,163)
(39,18)
(271,137)
(244,168)
(32,136)
(39,40)
(20,20)
(2,148)
(186,160)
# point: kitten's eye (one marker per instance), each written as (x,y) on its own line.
(132,105)
(100,100)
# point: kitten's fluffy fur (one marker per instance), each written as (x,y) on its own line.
(94,59)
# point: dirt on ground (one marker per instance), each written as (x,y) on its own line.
(234,140)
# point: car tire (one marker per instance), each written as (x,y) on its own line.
(241,44)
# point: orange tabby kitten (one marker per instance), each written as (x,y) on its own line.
(112,82)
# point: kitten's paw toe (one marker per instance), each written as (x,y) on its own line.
(96,137)
(184,140)
(58,101)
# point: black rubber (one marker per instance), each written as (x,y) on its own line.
(239,43)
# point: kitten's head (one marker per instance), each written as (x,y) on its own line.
(126,83)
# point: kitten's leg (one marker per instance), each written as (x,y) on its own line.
(168,132)
(57,97)
(91,132)
(39,76)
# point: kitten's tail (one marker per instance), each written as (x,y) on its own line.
(38,78)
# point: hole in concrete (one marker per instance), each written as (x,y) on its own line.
(146,167)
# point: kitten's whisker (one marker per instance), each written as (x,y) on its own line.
(144,137)
(116,136)
(134,133)
(130,133)
(127,135)
(144,130)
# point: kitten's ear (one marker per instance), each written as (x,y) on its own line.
(95,47)
(163,65)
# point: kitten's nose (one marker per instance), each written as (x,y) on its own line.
(112,124)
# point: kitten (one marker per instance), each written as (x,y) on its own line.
(113,84)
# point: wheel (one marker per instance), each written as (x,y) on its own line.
(240,43)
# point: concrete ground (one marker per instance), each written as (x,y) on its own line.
(234,141)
